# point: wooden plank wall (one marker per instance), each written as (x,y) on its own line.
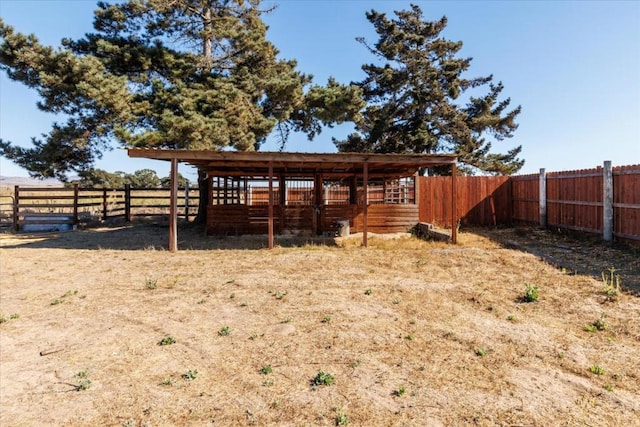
(525,199)
(482,200)
(331,214)
(574,200)
(390,218)
(626,202)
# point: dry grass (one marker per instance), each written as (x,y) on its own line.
(414,333)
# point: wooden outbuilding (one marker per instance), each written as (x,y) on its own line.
(310,193)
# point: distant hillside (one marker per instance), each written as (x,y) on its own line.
(11,181)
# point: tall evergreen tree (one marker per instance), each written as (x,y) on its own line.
(416,103)
(193,74)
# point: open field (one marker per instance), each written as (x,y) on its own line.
(411,332)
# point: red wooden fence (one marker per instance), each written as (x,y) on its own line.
(574,200)
(626,202)
(525,202)
(480,200)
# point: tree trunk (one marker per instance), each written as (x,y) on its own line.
(203,186)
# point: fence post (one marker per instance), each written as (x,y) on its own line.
(607,202)
(16,207)
(104,204)
(543,198)
(75,204)
(186,201)
(127,202)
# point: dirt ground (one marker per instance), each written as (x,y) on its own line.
(105,327)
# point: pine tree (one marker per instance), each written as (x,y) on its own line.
(416,103)
(190,74)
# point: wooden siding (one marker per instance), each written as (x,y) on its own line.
(482,200)
(626,202)
(574,200)
(382,218)
(243,219)
(525,194)
(331,214)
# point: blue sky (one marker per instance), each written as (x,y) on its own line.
(573,66)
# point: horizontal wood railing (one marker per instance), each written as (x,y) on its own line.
(76,205)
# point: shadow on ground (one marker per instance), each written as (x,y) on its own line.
(574,253)
(142,236)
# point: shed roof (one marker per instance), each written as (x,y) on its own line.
(229,163)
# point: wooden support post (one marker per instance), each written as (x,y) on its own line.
(353,190)
(416,189)
(607,200)
(16,207)
(226,190)
(270,210)
(454,204)
(282,190)
(186,201)
(104,204)
(127,202)
(318,183)
(173,207)
(365,186)
(75,204)
(543,198)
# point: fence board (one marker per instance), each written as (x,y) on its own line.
(525,191)
(626,202)
(575,200)
(482,200)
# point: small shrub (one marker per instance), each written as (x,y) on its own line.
(3,319)
(611,283)
(167,381)
(400,391)
(14,316)
(322,378)
(168,340)
(326,319)
(368,292)
(190,375)
(595,369)
(341,419)
(531,293)
(224,331)
(410,336)
(253,336)
(266,370)
(597,325)
(287,319)
(608,387)
(481,352)
(280,295)
(56,301)
(151,283)
(511,318)
(85,382)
